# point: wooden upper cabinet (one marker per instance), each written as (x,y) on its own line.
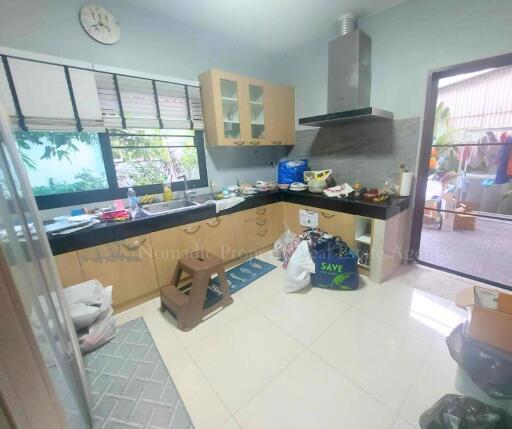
(241,111)
(281,116)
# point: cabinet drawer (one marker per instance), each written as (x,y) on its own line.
(127,265)
(267,210)
(262,231)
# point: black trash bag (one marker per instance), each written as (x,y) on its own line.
(488,367)
(463,412)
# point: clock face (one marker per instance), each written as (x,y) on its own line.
(100,24)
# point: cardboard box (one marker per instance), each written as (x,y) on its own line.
(490,319)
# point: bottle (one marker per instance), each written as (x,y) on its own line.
(167,193)
(132,201)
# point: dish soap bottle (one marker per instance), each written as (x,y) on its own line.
(167,193)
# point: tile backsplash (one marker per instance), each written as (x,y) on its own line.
(368,152)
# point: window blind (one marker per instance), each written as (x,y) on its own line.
(49,97)
(43,96)
(144,103)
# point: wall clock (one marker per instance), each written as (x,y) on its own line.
(100,24)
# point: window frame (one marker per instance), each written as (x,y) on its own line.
(113,192)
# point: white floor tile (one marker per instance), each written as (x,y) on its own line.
(138,311)
(311,394)
(410,310)
(435,379)
(402,424)
(241,357)
(213,322)
(375,352)
(375,356)
(231,424)
(304,314)
(205,407)
(263,288)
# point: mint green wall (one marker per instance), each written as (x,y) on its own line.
(149,43)
(419,35)
(407,41)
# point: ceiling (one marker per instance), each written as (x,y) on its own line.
(273,25)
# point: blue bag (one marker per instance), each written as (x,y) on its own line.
(291,171)
(332,269)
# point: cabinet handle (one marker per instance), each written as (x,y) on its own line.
(261,222)
(327,215)
(262,232)
(254,142)
(239,142)
(277,142)
(261,211)
(214,223)
(192,230)
(134,245)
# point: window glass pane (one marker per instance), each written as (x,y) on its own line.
(59,163)
(469,244)
(148,166)
(471,179)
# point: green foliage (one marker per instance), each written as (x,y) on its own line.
(53,145)
(85,181)
(151,157)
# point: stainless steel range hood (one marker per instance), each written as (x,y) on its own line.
(349,80)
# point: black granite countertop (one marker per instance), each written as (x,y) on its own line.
(106,232)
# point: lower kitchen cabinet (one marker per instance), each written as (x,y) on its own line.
(127,265)
(220,237)
(257,233)
(70,271)
(216,235)
(167,249)
(334,223)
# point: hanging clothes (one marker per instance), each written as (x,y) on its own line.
(504,172)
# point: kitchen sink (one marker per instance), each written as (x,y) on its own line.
(170,207)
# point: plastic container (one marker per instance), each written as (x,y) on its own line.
(132,201)
(167,192)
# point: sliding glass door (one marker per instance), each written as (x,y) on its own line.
(28,261)
(463,213)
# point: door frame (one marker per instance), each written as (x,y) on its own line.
(427,135)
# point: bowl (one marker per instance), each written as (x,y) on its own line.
(283,186)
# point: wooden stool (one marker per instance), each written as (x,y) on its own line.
(187,308)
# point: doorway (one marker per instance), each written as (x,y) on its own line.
(463,205)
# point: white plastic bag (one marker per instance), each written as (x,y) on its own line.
(89,292)
(282,242)
(83,315)
(88,301)
(299,270)
(99,333)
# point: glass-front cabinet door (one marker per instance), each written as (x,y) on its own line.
(257,110)
(230,108)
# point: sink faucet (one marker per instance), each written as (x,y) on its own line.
(185,184)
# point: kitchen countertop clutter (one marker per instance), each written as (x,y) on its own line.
(106,232)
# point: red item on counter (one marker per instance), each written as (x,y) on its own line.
(116,215)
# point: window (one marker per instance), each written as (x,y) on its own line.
(79,168)
(132,131)
(59,163)
(146,157)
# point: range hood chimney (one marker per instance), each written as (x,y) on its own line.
(349,79)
